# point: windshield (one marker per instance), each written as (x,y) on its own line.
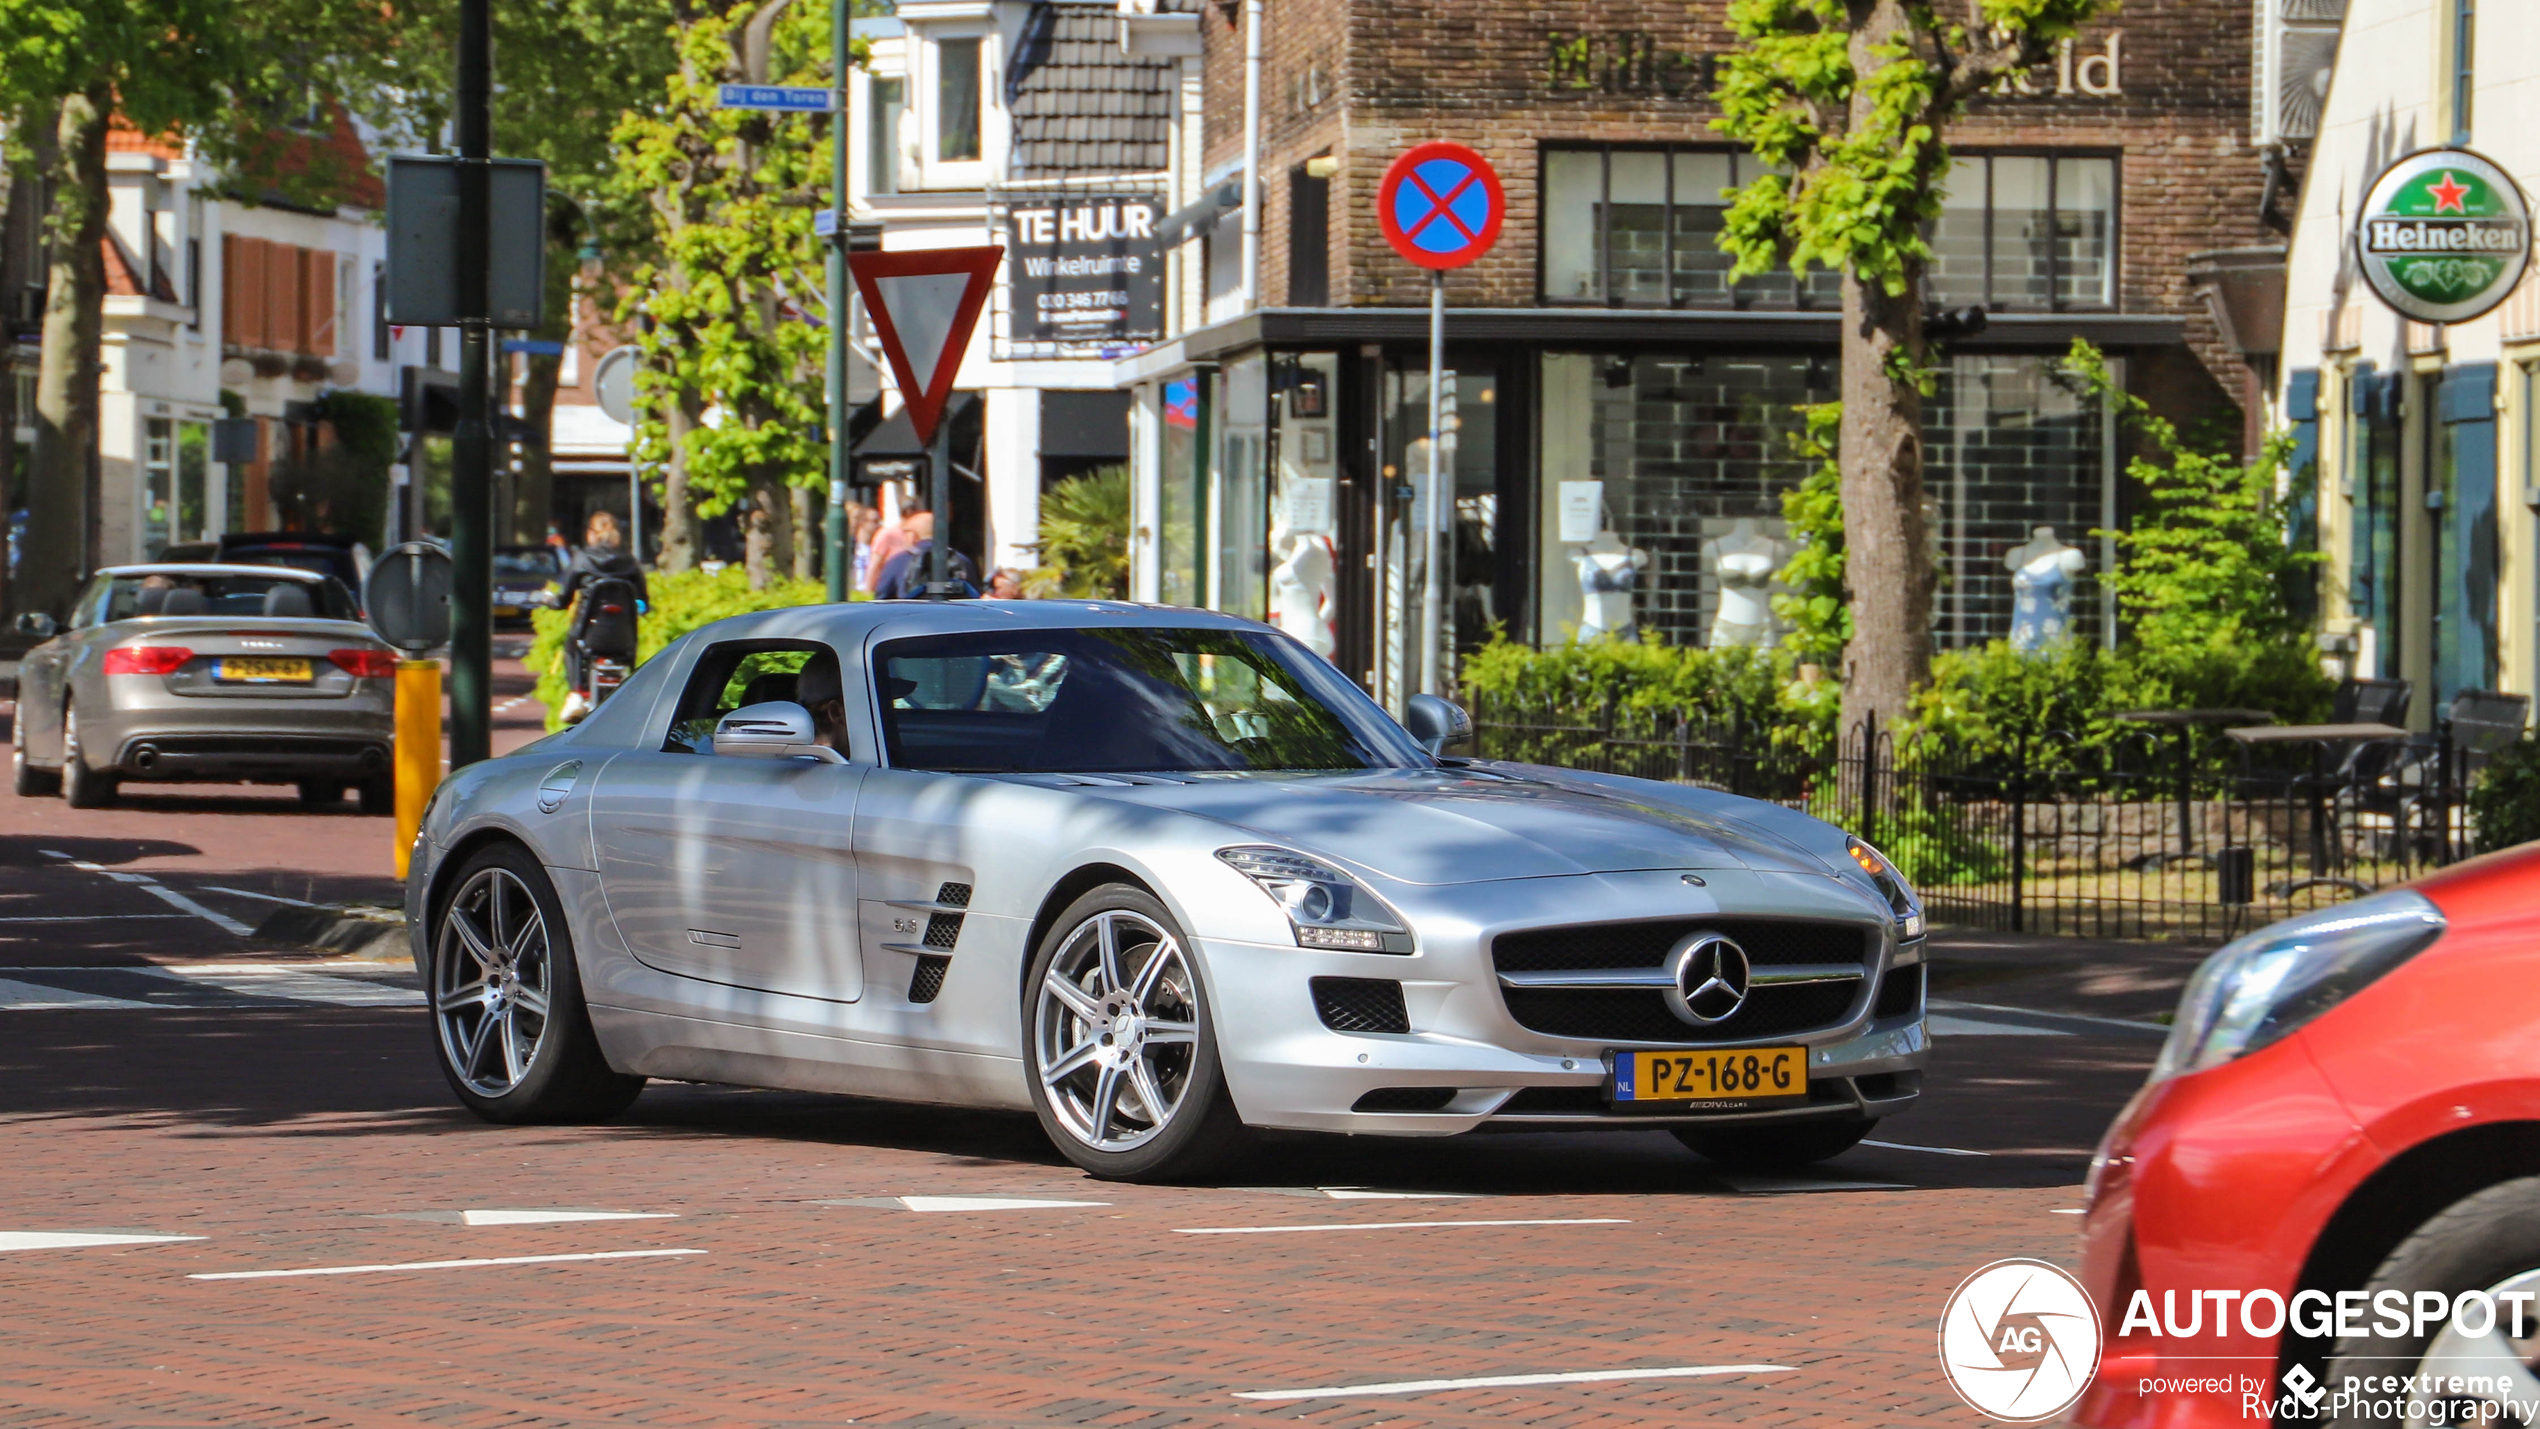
(524,565)
(125,597)
(1126,700)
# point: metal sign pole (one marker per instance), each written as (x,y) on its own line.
(1431,504)
(472,444)
(939,501)
(834,529)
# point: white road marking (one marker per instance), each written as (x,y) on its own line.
(159,891)
(1942,1025)
(1934,1150)
(1757,1185)
(1952,1004)
(1361,1193)
(73,1240)
(2068,1211)
(34,997)
(1511,1381)
(539,1218)
(251,893)
(985,1203)
(289,984)
(94,918)
(440,1264)
(1390,1226)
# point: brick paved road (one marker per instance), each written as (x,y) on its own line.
(283,1112)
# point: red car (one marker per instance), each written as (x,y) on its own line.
(2324,1205)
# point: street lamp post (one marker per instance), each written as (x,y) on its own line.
(472,443)
(834,528)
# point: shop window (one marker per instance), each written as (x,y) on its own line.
(1640,227)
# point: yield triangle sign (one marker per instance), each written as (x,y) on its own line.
(924,302)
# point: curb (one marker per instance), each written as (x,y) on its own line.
(337,930)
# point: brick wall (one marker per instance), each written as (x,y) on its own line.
(1490,74)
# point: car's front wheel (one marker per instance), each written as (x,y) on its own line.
(82,787)
(508,1020)
(29,781)
(2488,1243)
(1122,1047)
(1775,1146)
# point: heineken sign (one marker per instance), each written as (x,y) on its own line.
(2443,236)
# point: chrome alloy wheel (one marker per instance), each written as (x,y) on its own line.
(491,981)
(1115,1029)
(2504,1370)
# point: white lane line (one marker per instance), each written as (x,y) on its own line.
(540,1218)
(1943,1025)
(251,893)
(94,917)
(1389,1226)
(159,891)
(1511,1381)
(1934,1150)
(1955,1005)
(1361,1193)
(287,984)
(985,1203)
(35,997)
(440,1264)
(73,1240)
(2068,1211)
(1761,1185)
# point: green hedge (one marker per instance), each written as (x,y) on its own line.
(681,602)
(2504,805)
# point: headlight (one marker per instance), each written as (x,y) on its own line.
(1900,895)
(2260,988)
(1326,907)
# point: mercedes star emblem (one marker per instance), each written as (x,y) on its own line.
(1711,980)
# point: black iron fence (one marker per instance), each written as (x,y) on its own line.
(2151,835)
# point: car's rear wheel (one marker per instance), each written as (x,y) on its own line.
(82,787)
(2489,1242)
(1770,1147)
(29,781)
(508,1020)
(321,793)
(1123,1049)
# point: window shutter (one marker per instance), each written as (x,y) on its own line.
(283,332)
(243,301)
(318,266)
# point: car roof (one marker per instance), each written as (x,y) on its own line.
(848,622)
(215,568)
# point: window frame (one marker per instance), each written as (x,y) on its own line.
(934,171)
(1603,239)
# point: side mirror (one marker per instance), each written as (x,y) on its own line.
(37,624)
(774,729)
(1436,723)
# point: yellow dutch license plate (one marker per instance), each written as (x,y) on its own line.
(1743,1076)
(263,671)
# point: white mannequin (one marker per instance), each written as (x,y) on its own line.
(2042,572)
(1745,560)
(1301,590)
(1609,572)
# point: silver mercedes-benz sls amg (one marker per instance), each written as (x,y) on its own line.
(1160,876)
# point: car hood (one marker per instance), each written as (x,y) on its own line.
(1427,826)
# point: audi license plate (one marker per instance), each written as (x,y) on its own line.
(262,671)
(1713,1080)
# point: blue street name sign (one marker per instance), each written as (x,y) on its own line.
(824,224)
(788,98)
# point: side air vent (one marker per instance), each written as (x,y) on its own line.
(953,895)
(943,930)
(928,981)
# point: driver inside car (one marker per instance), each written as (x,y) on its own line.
(818,690)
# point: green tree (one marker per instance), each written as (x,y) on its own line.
(1084,545)
(219,74)
(1848,102)
(1813,602)
(735,276)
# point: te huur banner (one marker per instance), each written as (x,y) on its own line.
(1085,270)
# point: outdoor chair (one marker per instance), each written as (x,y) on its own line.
(2423,779)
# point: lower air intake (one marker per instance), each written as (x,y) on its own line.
(1405,1099)
(1360,1004)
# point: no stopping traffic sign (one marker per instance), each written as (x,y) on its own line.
(1440,205)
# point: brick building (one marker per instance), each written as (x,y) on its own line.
(1598,355)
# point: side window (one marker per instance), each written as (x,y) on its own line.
(736,673)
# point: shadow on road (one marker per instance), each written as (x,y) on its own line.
(30,850)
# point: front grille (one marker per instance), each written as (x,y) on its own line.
(953,895)
(1902,994)
(1360,1004)
(928,980)
(1405,1099)
(1641,1015)
(1768,942)
(943,930)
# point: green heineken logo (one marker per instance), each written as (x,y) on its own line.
(2443,236)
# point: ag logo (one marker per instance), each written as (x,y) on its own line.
(2019,1341)
(2443,236)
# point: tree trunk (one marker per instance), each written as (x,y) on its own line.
(534,501)
(61,494)
(767,523)
(808,540)
(678,513)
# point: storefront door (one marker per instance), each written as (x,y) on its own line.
(1475,595)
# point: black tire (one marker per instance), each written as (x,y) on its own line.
(2479,1243)
(82,787)
(1200,1132)
(379,796)
(565,1077)
(320,793)
(1770,1147)
(29,781)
